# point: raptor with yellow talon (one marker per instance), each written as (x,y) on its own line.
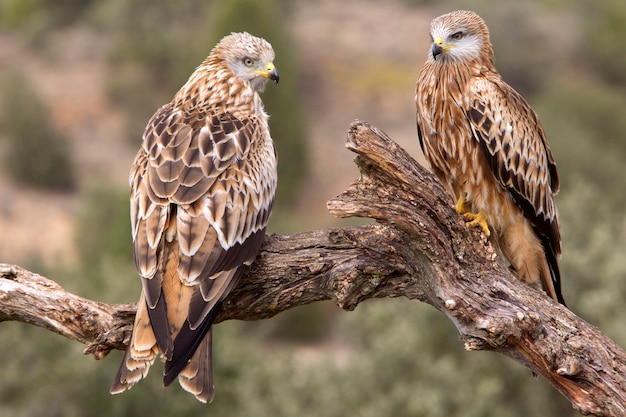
(485,142)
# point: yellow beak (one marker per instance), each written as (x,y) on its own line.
(437,47)
(270,72)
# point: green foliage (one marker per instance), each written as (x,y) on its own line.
(106,268)
(418,3)
(521,53)
(37,154)
(104,225)
(605,40)
(156,46)
(593,265)
(34,18)
(15,12)
(586,130)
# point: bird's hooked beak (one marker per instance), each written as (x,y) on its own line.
(438,47)
(270,72)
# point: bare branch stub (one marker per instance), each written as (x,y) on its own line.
(31,298)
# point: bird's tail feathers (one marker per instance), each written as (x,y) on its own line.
(197,376)
(140,354)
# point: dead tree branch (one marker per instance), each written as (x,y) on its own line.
(419,248)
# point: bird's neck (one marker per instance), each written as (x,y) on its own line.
(451,74)
(215,87)
(461,70)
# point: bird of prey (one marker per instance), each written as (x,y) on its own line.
(486,144)
(202,188)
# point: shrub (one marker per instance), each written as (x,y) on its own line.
(37,154)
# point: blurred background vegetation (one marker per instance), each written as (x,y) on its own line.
(79,80)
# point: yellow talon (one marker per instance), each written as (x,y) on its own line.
(460,204)
(472,219)
(477,219)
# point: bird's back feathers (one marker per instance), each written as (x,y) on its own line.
(202,189)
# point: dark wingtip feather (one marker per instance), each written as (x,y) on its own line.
(555,272)
(185,345)
(160,327)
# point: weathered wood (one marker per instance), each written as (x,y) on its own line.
(419,248)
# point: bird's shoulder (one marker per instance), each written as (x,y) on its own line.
(490,92)
(506,123)
(208,162)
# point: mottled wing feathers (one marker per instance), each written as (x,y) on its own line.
(197,165)
(198,215)
(513,141)
(202,188)
(419,130)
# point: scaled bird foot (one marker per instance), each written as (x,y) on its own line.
(460,205)
(477,219)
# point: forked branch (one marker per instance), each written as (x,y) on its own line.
(419,248)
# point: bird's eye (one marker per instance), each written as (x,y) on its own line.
(248,62)
(457,36)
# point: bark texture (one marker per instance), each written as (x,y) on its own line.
(418,248)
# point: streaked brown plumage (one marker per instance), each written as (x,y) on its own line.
(486,143)
(202,188)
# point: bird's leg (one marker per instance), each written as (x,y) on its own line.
(472,219)
(477,219)
(460,204)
